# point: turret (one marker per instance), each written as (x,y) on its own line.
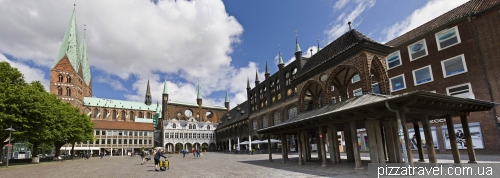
(148,95)
(226,101)
(164,101)
(256,78)
(298,54)
(267,74)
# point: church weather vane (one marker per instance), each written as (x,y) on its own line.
(349,23)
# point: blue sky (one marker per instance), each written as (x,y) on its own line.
(217,42)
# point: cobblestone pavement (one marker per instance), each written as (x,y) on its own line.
(210,165)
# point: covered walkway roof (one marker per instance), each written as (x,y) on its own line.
(360,108)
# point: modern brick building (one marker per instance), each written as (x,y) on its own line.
(455,54)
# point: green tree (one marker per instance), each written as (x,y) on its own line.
(11,83)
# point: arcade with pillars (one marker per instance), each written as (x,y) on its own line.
(382,117)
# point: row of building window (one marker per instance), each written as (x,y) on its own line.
(59,91)
(417,50)
(123,114)
(123,141)
(451,67)
(188,135)
(60,78)
(123,133)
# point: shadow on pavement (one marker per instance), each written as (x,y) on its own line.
(313,167)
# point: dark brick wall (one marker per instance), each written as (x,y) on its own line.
(487,28)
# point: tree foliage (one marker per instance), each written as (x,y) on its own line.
(36,115)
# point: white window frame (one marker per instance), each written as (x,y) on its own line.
(332,88)
(445,30)
(463,84)
(354,91)
(352,80)
(400,60)
(425,47)
(415,78)
(463,62)
(404,82)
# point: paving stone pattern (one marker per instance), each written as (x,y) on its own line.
(210,165)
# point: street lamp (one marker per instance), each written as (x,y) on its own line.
(10,129)
(65,148)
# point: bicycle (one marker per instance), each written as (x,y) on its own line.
(164,165)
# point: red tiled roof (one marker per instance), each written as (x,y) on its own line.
(120,125)
(470,7)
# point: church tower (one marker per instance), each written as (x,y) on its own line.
(148,95)
(70,77)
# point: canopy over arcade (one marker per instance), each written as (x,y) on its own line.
(380,112)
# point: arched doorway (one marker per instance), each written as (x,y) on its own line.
(204,147)
(178,147)
(170,148)
(212,147)
(189,147)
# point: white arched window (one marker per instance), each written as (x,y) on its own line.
(174,125)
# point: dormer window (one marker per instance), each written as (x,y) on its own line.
(174,125)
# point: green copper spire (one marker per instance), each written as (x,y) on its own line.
(199,91)
(227,97)
(85,60)
(280,60)
(69,46)
(165,89)
(157,107)
(297,47)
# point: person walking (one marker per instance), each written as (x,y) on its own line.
(157,159)
(194,152)
(102,154)
(142,156)
(183,153)
(198,153)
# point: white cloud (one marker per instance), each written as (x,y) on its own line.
(340,4)
(133,38)
(106,79)
(431,10)
(30,73)
(339,26)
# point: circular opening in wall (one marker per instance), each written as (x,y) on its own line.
(188,113)
(209,114)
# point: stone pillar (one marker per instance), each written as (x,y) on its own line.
(389,138)
(349,145)
(287,147)
(429,141)
(269,148)
(303,145)
(330,144)
(357,156)
(229,145)
(380,143)
(419,142)
(283,146)
(397,142)
(308,146)
(468,139)
(300,148)
(372,141)
(406,135)
(336,149)
(453,139)
(318,138)
(321,148)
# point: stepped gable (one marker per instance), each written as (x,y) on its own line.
(462,11)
